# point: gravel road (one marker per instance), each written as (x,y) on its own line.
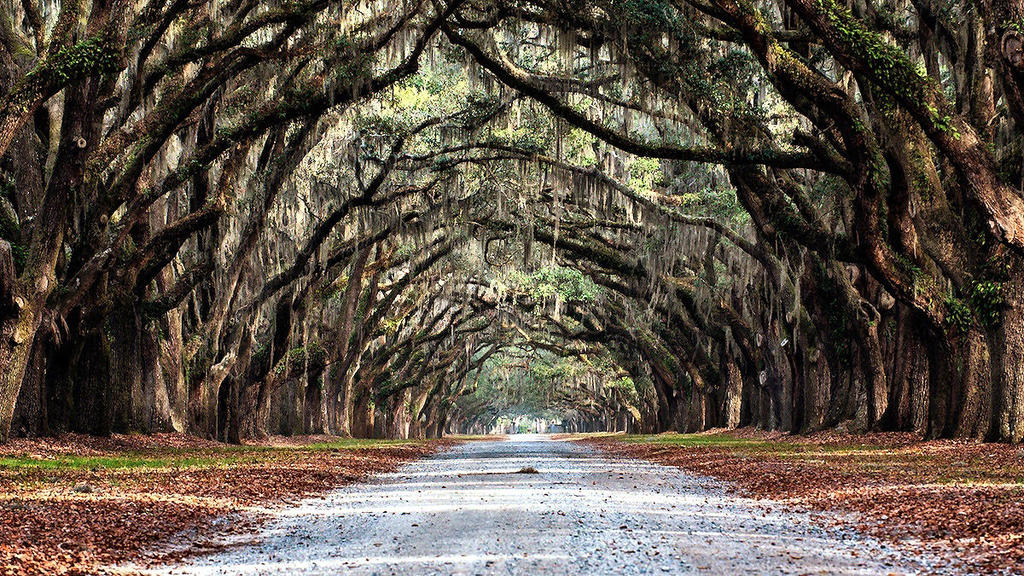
(468,511)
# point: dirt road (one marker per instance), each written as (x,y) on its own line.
(475,510)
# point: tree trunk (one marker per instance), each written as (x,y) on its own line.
(733,395)
(1008,360)
(961,386)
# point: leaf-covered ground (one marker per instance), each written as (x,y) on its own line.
(71,504)
(963,500)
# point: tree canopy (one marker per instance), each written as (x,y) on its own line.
(371,218)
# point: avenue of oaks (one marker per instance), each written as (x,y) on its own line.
(235,218)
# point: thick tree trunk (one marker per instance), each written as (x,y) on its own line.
(171,384)
(315,407)
(960,393)
(31,415)
(400,415)
(205,405)
(1008,361)
(17,338)
(362,414)
(9,317)
(973,390)
(909,369)
(733,396)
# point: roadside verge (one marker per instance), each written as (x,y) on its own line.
(962,500)
(71,504)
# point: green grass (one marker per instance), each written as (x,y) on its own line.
(127,461)
(190,458)
(727,440)
(949,467)
(702,440)
(471,437)
(358,444)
